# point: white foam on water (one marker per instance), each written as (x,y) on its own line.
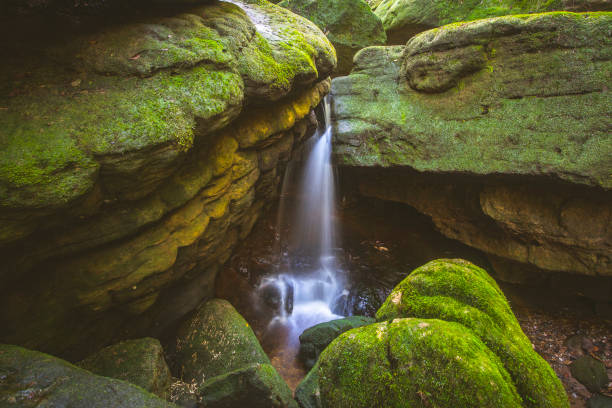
(314,292)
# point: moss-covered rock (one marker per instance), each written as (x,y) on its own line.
(140,362)
(33,379)
(403,19)
(84,102)
(314,339)
(257,386)
(350,25)
(590,372)
(458,291)
(129,166)
(215,341)
(519,98)
(413,363)
(461,99)
(218,352)
(308,393)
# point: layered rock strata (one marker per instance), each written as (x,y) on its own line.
(499,130)
(133,159)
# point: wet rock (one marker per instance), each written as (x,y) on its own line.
(29,378)
(590,372)
(140,362)
(599,401)
(214,341)
(278,294)
(257,386)
(314,339)
(350,25)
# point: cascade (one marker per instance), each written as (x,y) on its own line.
(308,282)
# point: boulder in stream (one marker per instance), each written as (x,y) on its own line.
(446,337)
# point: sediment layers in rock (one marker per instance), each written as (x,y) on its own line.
(134,158)
(498,129)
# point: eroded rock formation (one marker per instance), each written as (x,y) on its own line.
(134,157)
(499,130)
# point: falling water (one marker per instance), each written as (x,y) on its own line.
(307,294)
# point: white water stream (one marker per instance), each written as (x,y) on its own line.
(307,296)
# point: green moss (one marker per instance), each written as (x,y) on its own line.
(544,88)
(402,19)
(30,378)
(457,291)
(338,20)
(215,341)
(413,363)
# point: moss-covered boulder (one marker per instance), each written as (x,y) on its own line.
(257,386)
(403,19)
(32,379)
(446,337)
(413,363)
(314,339)
(215,341)
(218,352)
(463,109)
(350,25)
(140,362)
(458,291)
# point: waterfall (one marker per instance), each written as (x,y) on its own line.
(307,284)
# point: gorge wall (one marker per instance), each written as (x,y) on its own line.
(134,156)
(499,130)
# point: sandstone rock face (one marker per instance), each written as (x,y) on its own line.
(140,362)
(33,379)
(350,25)
(403,19)
(512,160)
(446,337)
(133,158)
